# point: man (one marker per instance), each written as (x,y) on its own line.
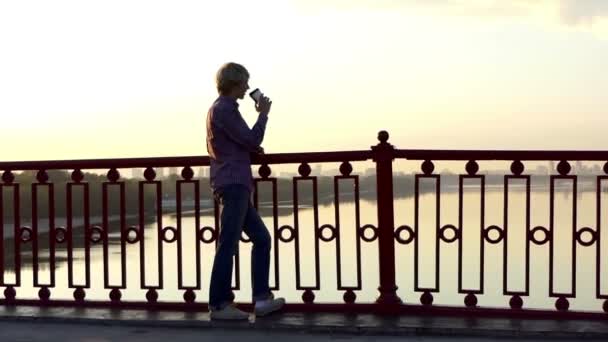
(230,143)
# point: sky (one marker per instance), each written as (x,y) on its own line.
(118,79)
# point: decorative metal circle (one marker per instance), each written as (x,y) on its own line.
(96,234)
(44,294)
(308,296)
(290,237)
(42,176)
(60,234)
(517,167)
(383,136)
(444,229)
(410,234)
(427,167)
(264,171)
(472,167)
(149,174)
(562,304)
(174,233)
(132,235)
(152,296)
(332,232)
(8,177)
(113,175)
(115,295)
(606,168)
(201,234)
(187,173)
(426,298)
(487,231)
(364,236)
(470,300)
(579,236)
(77,175)
(26,234)
(346,168)
(349,296)
(304,170)
(545,239)
(79,294)
(245,239)
(10,294)
(516,302)
(189,296)
(563,168)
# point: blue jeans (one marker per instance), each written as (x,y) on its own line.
(239,215)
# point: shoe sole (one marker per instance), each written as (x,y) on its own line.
(229,318)
(268,312)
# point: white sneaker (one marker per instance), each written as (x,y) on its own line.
(268,306)
(230,312)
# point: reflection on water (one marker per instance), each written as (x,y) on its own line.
(404,215)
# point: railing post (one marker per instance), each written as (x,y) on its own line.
(383,155)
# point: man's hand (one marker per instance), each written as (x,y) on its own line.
(263,105)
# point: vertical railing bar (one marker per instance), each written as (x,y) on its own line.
(275,220)
(16,239)
(296,231)
(461,230)
(87,240)
(69,233)
(315,198)
(574,229)
(598,250)
(197,224)
(123,242)
(159,241)
(337,234)
(106,268)
(481,239)
(178,204)
(505,246)
(437,230)
(416,233)
(142,235)
(551,212)
(358,231)
(528,181)
(52,233)
(35,233)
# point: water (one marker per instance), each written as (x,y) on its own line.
(404,215)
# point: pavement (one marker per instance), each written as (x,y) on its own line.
(105,325)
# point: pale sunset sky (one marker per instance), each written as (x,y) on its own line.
(114,79)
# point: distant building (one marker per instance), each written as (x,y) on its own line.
(579,169)
(542,170)
(160,172)
(137,173)
(317,170)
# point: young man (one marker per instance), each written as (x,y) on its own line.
(230,143)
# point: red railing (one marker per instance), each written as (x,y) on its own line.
(386,233)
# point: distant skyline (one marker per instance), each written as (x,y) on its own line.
(115,79)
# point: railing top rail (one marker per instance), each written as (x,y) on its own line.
(500,155)
(308,157)
(279,158)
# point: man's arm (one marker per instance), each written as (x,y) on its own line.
(236,128)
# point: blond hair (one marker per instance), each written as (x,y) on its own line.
(229,76)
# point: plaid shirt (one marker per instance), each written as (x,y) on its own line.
(230,143)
